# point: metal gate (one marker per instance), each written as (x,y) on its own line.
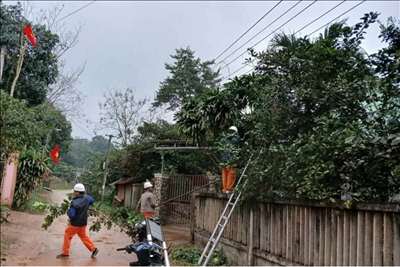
(178,210)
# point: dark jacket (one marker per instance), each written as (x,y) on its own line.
(78,212)
(229,146)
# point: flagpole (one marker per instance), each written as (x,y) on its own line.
(24,44)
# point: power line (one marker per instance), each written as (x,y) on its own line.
(70,14)
(272,32)
(256,35)
(338,17)
(344,13)
(266,14)
(81,128)
(320,16)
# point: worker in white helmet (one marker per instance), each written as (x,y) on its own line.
(147,204)
(229,157)
(78,216)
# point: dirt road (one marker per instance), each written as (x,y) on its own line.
(29,244)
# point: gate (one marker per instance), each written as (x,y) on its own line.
(178,210)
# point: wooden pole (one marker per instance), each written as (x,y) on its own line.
(192,219)
(22,50)
(251,239)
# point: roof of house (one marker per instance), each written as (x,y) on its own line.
(125,181)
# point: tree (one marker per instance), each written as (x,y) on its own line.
(122,112)
(77,154)
(325,113)
(63,93)
(189,78)
(40,64)
(32,166)
(44,65)
(65,172)
(99,144)
(31,127)
(140,160)
(58,128)
(18,125)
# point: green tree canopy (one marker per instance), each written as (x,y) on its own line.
(22,126)
(77,153)
(189,78)
(99,144)
(39,69)
(140,159)
(326,114)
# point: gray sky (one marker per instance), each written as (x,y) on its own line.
(128,42)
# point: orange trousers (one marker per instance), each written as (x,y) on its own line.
(148,214)
(81,232)
(228,179)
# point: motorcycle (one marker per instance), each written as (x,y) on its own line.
(150,248)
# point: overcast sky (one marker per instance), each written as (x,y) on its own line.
(128,42)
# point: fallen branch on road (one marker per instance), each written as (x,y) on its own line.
(119,217)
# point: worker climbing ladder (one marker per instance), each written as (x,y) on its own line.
(223,220)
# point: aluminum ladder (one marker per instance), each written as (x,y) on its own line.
(223,221)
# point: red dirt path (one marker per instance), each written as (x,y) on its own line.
(29,244)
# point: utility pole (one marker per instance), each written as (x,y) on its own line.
(2,55)
(106,167)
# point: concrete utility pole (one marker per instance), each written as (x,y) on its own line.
(2,55)
(106,167)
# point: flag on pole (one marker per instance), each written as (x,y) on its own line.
(54,154)
(29,33)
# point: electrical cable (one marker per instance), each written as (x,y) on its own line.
(266,14)
(81,128)
(272,33)
(320,16)
(224,78)
(70,14)
(257,34)
(338,17)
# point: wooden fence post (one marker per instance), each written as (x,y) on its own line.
(251,239)
(193,217)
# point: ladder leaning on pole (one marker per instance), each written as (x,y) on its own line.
(222,222)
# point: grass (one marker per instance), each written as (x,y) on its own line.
(61,186)
(4,214)
(104,207)
(4,246)
(189,256)
(37,197)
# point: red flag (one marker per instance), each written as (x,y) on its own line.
(54,154)
(29,33)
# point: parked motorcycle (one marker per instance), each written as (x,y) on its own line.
(150,248)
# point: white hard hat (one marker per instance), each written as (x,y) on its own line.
(79,188)
(233,128)
(147,185)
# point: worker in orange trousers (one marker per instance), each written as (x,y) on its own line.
(229,158)
(147,204)
(78,215)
